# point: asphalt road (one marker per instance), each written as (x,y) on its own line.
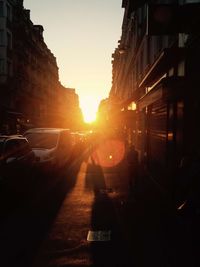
(51,226)
(91,205)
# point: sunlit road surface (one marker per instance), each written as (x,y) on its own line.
(91,205)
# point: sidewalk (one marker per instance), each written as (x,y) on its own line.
(155,234)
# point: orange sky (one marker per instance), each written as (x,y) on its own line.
(82,34)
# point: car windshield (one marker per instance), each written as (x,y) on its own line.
(42,140)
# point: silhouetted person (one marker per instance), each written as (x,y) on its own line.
(133,163)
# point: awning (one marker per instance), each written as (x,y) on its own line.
(15,113)
(166,59)
(167,88)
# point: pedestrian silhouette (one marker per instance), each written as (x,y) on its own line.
(132,158)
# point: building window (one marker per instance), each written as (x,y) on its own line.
(181,68)
(190,1)
(1,9)
(182,39)
(171,72)
(9,68)
(9,12)
(141,62)
(2,41)
(159,40)
(2,66)
(9,40)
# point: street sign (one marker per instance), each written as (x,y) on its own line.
(99,236)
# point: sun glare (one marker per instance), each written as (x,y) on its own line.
(89,116)
(89,108)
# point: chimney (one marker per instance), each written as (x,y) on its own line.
(27,12)
(39,29)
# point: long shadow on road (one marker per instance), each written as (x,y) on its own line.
(104,218)
(23,230)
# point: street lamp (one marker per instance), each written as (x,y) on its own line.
(122,50)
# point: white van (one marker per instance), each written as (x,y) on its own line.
(52,146)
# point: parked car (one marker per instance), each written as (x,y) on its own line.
(52,146)
(79,145)
(16,164)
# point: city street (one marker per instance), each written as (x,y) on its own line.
(52,227)
(99,133)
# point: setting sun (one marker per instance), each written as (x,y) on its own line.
(89,116)
(89,106)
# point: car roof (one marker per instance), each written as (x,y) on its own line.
(5,137)
(46,130)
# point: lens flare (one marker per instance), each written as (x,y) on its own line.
(109,153)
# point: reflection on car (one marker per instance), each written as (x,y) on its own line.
(78,144)
(16,163)
(52,146)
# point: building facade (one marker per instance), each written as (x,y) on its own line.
(29,80)
(155,67)
(69,112)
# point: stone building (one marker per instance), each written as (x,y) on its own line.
(69,112)
(30,87)
(155,70)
